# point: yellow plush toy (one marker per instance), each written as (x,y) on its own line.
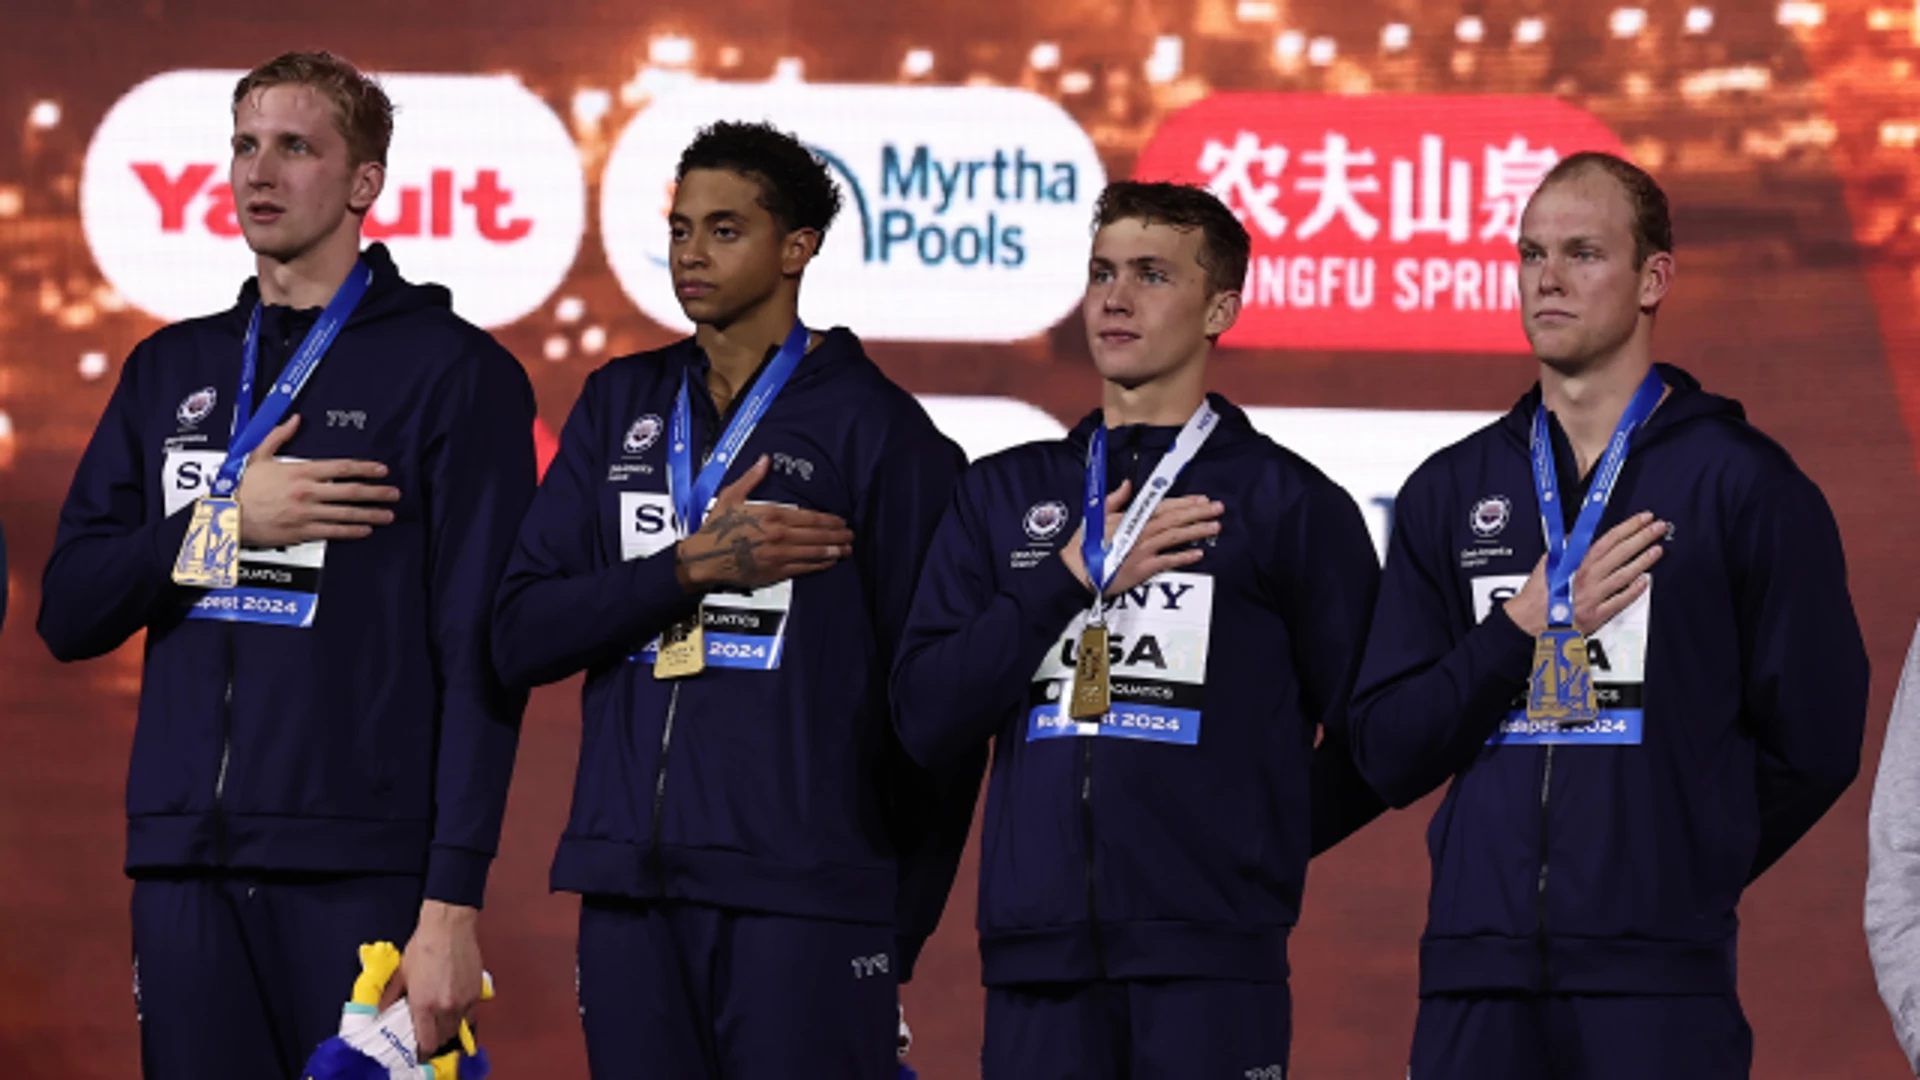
(375,1045)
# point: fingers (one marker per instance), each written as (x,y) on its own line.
(814,539)
(798,569)
(342,514)
(1119,497)
(1176,537)
(736,493)
(1624,576)
(795,518)
(324,531)
(277,438)
(1618,535)
(338,469)
(1604,612)
(429,1029)
(354,493)
(1172,560)
(1603,570)
(1179,515)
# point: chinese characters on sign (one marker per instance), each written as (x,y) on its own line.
(1406,207)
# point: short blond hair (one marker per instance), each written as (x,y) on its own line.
(361,110)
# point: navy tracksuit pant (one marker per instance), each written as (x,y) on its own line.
(671,990)
(1144,1029)
(1581,1037)
(239,976)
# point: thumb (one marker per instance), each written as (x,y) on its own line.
(1119,497)
(736,493)
(276,438)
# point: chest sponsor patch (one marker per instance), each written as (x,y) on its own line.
(742,630)
(1617,656)
(277,587)
(1157,639)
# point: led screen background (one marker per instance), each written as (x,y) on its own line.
(1785,134)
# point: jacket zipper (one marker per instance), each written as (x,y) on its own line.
(226,755)
(1086,830)
(660,786)
(1086,793)
(1540,892)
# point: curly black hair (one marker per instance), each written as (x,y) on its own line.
(795,186)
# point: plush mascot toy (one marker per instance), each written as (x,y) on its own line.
(906,1042)
(374,1045)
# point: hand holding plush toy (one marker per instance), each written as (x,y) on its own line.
(374,1045)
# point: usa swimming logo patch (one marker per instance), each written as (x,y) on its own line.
(1045,520)
(196,406)
(643,434)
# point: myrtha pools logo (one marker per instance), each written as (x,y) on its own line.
(984,190)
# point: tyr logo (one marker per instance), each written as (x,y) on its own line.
(353,418)
(793,466)
(866,966)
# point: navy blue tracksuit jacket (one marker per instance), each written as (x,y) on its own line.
(779,791)
(376,740)
(1147,857)
(1733,701)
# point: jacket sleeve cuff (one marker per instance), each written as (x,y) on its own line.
(906,949)
(656,586)
(168,534)
(457,876)
(1506,649)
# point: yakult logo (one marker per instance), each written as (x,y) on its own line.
(484,194)
(981,193)
(1402,209)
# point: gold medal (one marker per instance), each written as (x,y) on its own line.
(210,555)
(1092,690)
(1561,690)
(683,648)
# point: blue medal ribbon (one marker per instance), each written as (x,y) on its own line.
(1103,560)
(692,494)
(1565,552)
(251,428)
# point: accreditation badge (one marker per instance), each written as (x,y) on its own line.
(1147,664)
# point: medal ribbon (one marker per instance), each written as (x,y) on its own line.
(691,494)
(1565,552)
(1104,560)
(250,428)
